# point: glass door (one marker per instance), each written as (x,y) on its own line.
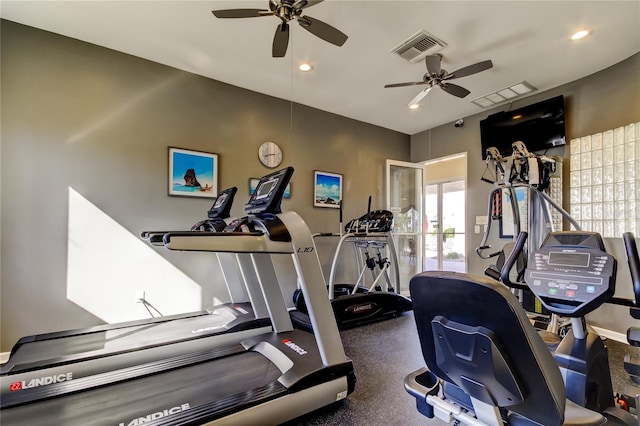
(405,183)
(444,209)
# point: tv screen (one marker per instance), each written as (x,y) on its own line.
(540,126)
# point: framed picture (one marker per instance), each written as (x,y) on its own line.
(193,173)
(253,183)
(507,226)
(327,189)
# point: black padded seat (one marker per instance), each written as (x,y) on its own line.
(475,334)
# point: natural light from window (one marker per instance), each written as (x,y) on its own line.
(107,265)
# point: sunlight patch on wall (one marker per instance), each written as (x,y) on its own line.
(107,265)
(123,108)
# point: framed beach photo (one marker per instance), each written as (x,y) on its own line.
(193,173)
(327,189)
(253,183)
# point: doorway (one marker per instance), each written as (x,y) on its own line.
(445,214)
(428,201)
(404,197)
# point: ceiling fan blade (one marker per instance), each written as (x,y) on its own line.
(420,96)
(415,83)
(433,64)
(303,4)
(322,30)
(241,13)
(280,41)
(471,69)
(454,89)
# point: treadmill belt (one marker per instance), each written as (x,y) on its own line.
(208,390)
(125,338)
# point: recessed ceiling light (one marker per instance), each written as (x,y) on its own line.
(305,67)
(414,106)
(580,34)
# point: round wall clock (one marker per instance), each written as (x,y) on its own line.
(270,154)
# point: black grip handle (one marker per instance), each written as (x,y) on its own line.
(340,214)
(634,263)
(369,208)
(492,272)
(511,260)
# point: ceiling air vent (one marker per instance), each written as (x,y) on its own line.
(418,46)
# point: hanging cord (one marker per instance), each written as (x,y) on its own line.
(488,170)
(148,305)
(291,89)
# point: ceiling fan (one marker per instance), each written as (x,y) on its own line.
(288,10)
(437,76)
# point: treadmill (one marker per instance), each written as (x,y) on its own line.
(247,308)
(354,304)
(268,378)
(109,350)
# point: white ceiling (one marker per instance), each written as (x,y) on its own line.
(525,40)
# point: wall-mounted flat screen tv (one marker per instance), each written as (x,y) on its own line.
(540,126)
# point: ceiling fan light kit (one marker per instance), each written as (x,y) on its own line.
(288,10)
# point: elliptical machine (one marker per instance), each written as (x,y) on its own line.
(533,186)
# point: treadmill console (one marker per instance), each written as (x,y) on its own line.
(269,192)
(571,273)
(375,221)
(219,211)
(263,206)
(221,208)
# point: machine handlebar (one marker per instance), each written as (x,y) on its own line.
(634,264)
(511,261)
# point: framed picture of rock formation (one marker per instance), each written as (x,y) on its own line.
(193,173)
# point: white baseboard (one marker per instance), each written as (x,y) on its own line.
(4,357)
(613,335)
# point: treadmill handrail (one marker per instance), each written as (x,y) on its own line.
(230,242)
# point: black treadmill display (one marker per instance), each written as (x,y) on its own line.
(268,194)
(264,190)
(219,201)
(565,258)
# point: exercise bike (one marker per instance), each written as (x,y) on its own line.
(486,364)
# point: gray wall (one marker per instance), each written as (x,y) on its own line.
(602,101)
(82,116)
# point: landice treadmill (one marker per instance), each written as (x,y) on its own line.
(267,378)
(114,350)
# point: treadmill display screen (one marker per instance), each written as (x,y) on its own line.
(264,190)
(220,201)
(562,258)
(269,191)
(222,205)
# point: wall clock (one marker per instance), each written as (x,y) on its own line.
(270,154)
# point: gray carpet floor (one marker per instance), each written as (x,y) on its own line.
(383,354)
